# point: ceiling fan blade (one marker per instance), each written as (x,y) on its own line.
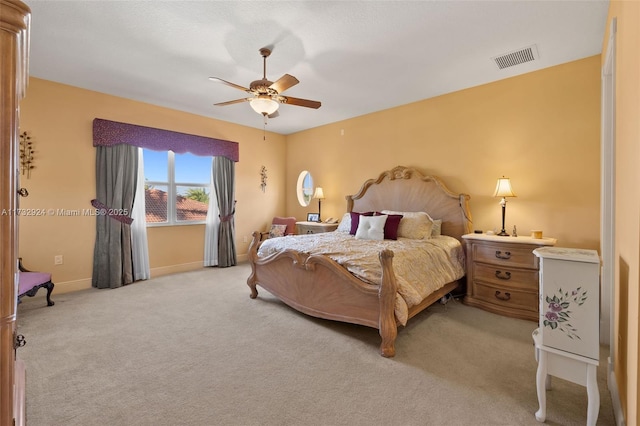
(274,115)
(237,101)
(219,80)
(300,102)
(283,83)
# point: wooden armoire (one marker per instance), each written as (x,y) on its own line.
(14,60)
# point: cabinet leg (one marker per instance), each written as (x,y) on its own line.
(547,382)
(542,379)
(593,395)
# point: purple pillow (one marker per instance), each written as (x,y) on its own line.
(391,226)
(355,220)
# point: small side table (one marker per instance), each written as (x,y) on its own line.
(567,342)
(315,227)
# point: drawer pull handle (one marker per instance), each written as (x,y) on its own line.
(506,296)
(505,276)
(506,255)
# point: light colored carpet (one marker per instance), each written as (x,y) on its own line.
(194,349)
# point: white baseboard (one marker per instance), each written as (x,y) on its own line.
(612,384)
(85,283)
(69,286)
(174,269)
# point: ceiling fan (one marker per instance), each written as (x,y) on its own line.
(266,95)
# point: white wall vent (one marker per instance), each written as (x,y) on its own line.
(517,57)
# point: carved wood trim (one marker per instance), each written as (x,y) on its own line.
(14,35)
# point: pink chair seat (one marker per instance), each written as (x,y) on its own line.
(30,282)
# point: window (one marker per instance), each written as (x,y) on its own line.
(176,187)
(304,188)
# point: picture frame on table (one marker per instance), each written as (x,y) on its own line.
(313,217)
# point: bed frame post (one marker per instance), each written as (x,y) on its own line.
(387,295)
(253,258)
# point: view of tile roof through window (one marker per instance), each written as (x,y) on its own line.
(187,209)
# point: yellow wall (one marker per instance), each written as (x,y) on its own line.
(541,129)
(627,246)
(59,119)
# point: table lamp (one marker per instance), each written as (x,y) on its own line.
(319,195)
(503,189)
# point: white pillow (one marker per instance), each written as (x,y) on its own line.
(414,225)
(345,224)
(371,227)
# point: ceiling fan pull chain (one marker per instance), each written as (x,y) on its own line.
(264,127)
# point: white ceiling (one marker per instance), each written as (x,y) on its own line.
(356,57)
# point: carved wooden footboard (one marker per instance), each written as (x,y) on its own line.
(320,287)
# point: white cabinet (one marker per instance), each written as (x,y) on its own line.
(567,341)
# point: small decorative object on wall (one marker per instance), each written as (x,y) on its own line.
(263,178)
(313,217)
(26,154)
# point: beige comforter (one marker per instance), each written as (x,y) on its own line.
(421,266)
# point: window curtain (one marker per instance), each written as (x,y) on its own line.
(116,173)
(139,245)
(224,184)
(212,225)
(111,134)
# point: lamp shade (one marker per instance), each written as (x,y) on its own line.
(319,194)
(503,188)
(264,105)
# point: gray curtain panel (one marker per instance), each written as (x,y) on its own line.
(224,183)
(116,173)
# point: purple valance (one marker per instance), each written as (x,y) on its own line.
(109,133)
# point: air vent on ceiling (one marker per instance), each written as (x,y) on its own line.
(517,57)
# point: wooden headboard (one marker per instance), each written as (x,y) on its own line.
(406,189)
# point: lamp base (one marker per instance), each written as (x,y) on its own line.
(503,233)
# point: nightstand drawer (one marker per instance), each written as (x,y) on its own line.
(315,227)
(505,254)
(506,297)
(523,279)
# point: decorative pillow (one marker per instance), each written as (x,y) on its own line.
(371,227)
(391,226)
(345,223)
(414,225)
(277,231)
(355,219)
(289,221)
(437,228)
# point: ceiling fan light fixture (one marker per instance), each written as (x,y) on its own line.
(264,105)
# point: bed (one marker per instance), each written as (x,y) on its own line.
(315,283)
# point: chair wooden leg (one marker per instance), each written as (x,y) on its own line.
(49,286)
(32,292)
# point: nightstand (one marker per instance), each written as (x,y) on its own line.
(315,227)
(502,274)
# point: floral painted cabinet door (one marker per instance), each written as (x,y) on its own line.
(570,300)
